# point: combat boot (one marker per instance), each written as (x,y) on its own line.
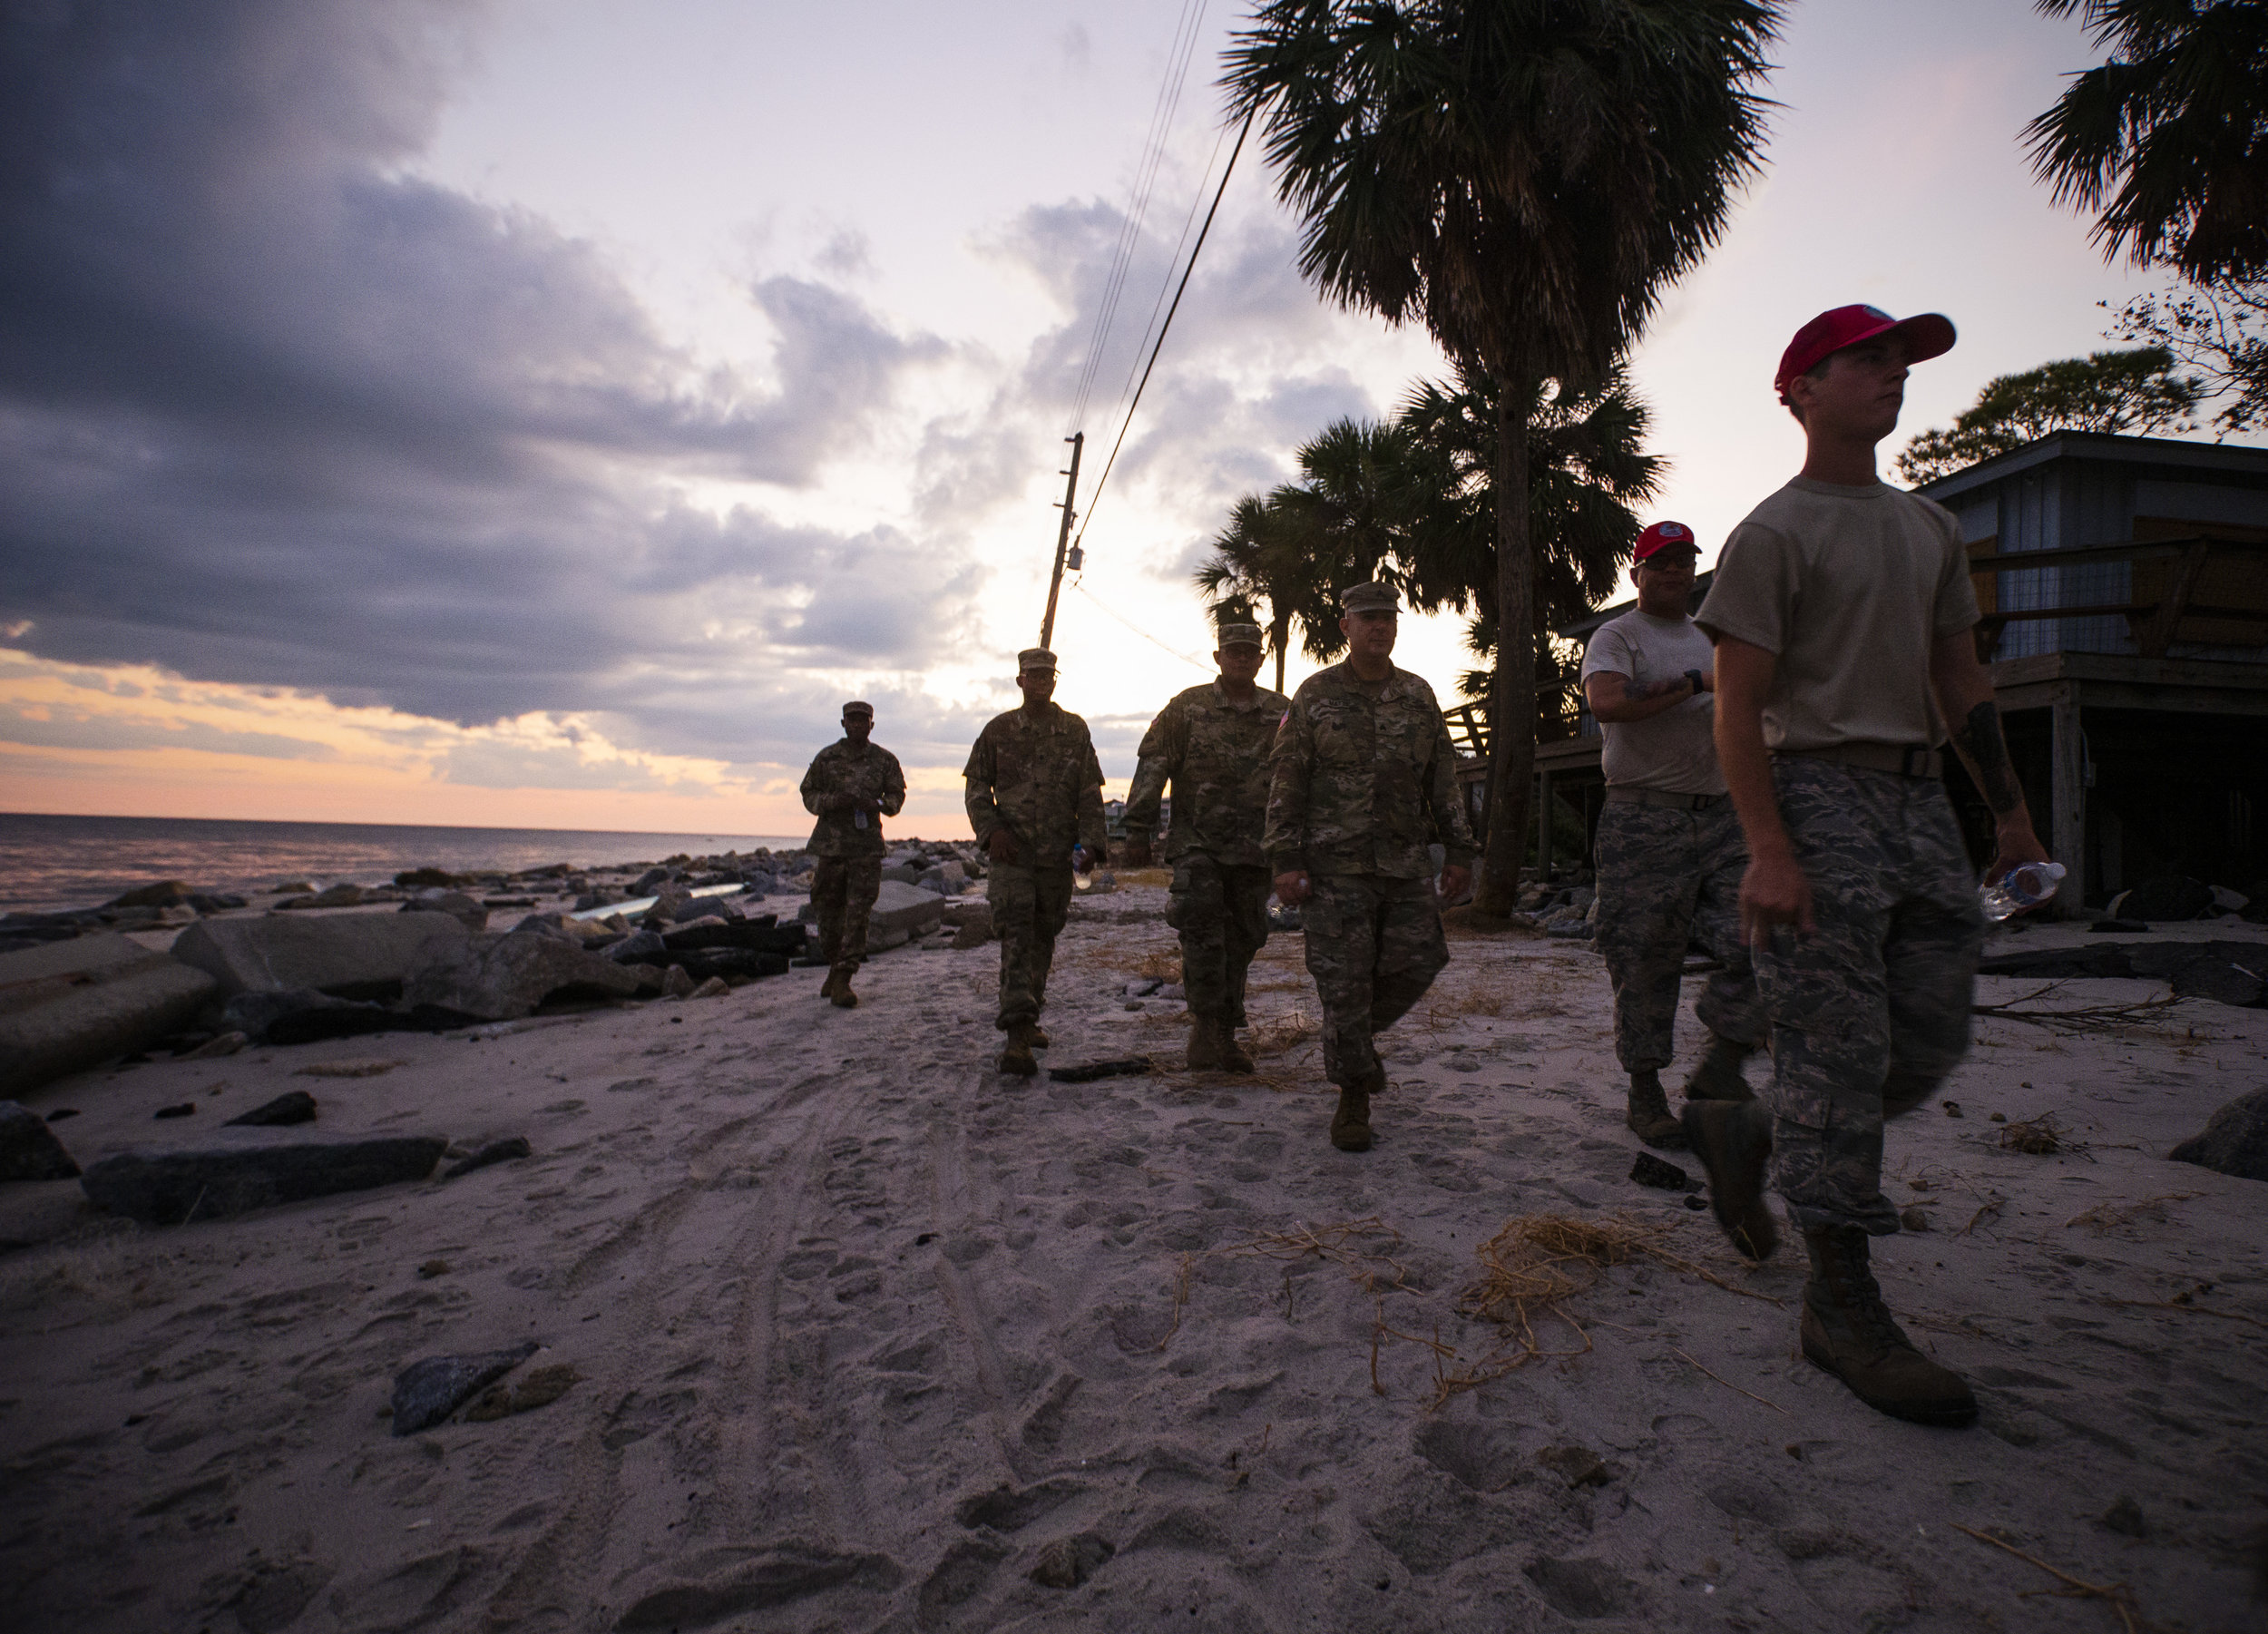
(1734,1141)
(834,983)
(1350,1124)
(839,978)
(1718,1077)
(1233,1057)
(1849,1333)
(1040,1040)
(1204,1032)
(1649,1117)
(1015,1059)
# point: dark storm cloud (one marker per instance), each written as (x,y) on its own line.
(273,412)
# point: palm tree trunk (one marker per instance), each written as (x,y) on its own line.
(1279,635)
(1512,694)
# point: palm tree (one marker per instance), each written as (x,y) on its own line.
(2169,138)
(1588,473)
(1523,177)
(1294,550)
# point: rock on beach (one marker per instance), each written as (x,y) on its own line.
(169,1189)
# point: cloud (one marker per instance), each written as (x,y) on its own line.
(273,412)
(50,727)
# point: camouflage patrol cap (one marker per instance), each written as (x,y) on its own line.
(1034,657)
(1370,597)
(856,707)
(1241,635)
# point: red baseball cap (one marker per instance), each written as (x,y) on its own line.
(1665,536)
(1929,335)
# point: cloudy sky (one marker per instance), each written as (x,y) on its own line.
(545,412)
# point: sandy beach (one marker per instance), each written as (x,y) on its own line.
(862,1337)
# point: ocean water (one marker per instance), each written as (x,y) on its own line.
(47,863)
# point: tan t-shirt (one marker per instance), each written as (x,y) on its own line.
(1851,587)
(1674,750)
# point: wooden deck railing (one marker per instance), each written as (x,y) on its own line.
(2155,621)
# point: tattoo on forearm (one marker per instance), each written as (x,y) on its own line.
(1978,738)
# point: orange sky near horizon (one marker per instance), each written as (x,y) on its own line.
(135,741)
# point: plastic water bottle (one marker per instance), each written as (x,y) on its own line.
(2023,887)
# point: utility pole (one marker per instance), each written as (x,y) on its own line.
(1078,440)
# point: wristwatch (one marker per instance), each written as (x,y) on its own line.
(1695,677)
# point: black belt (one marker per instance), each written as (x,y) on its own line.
(1619,795)
(1899,759)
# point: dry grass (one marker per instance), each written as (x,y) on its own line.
(348,1068)
(1530,1273)
(2110,1217)
(1364,1249)
(2039,1137)
(1534,1267)
(1445,1010)
(1160,965)
(1281,1034)
(2117,1596)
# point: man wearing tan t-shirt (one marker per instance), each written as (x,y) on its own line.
(1669,851)
(1843,615)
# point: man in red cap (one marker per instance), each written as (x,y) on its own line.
(1843,614)
(1668,846)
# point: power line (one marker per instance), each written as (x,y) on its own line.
(1095,495)
(1079,585)
(1179,54)
(1165,284)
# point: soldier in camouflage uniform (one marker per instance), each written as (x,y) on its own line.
(1843,617)
(852,785)
(1034,793)
(1668,846)
(1362,780)
(1212,743)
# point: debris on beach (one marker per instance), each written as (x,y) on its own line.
(2234,1141)
(293,1106)
(1651,1170)
(172,1188)
(29,1149)
(2037,1137)
(1132,1066)
(426,1393)
(502,1150)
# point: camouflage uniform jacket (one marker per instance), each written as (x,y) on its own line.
(843,769)
(1038,778)
(1216,754)
(1363,778)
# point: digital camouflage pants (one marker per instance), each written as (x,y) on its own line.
(1871,1011)
(843,893)
(1221,910)
(1373,946)
(1668,876)
(1029,906)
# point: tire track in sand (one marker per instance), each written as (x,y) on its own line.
(557,1583)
